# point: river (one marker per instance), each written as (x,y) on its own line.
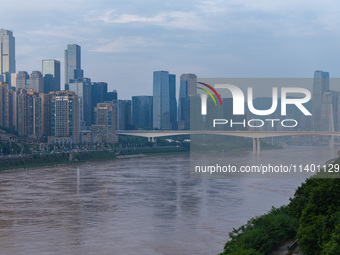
(143,206)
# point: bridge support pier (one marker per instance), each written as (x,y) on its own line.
(151,139)
(331,142)
(256,146)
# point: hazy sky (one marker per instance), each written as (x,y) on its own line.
(123,42)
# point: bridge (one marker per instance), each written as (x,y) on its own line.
(256,135)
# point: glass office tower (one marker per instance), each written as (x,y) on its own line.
(7,52)
(51,74)
(142,112)
(320,86)
(36,82)
(164,100)
(82,88)
(188,88)
(72,64)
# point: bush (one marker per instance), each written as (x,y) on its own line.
(320,216)
(313,214)
(261,234)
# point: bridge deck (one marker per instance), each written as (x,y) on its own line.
(249,134)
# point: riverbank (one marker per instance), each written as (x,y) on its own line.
(66,158)
(69,158)
(312,218)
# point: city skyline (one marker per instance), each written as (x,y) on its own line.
(208,38)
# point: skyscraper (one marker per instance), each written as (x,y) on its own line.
(320,86)
(4,105)
(64,117)
(187,88)
(124,121)
(14,77)
(22,80)
(46,113)
(173,102)
(82,88)
(7,52)
(189,82)
(110,96)
(7,106)
(104,130)
(29,112)
(142,112)
(51,74)
(36,82)
(164,100)
(98,95)
(72,63)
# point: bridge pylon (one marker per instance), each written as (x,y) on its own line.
(151,139)
(256,146)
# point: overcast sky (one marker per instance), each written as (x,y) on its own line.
(124,41)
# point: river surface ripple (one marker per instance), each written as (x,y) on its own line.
(141,206)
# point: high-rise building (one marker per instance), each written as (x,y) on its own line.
(12,106)
(173,102)
(104,130)
(82,88)
(189,82)
(46,114)
(36,112)
(64,117)
(320,86)
(164,100)
(7,106)
(29,112)
(187,88)
(13,82)
(98,95)
(4,105)
(123,113)
(36,82)
(111,96)
(22,80)
(7,52)
(22,111)
(72,63)
(328,111)
(105,114)
(142,112)
(51,75)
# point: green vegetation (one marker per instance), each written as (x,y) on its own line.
(261,234)
(153,150)
(91,156)
(9,130)
(9,147)
(33,161)
(36,160)
(317,206)
(312,216)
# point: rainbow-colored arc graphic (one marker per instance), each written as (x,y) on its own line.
(209,93)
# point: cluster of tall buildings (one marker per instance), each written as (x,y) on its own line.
(326,104)
(35,105)
(161,111)
(85,111)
